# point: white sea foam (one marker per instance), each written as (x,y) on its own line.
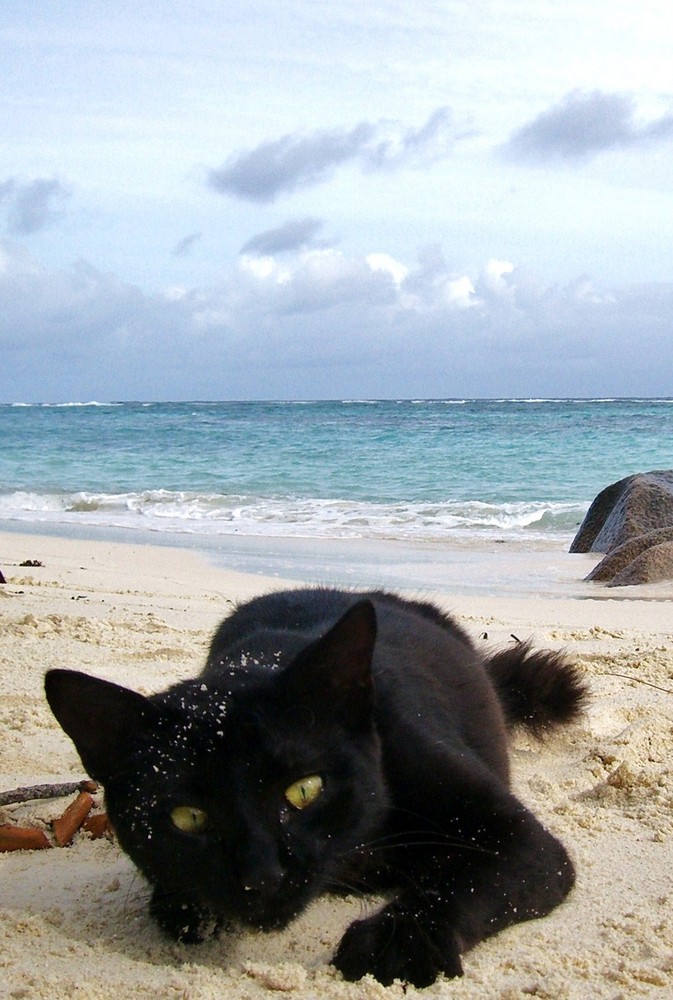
(61,406)
(209,514)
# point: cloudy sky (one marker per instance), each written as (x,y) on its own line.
(220,200)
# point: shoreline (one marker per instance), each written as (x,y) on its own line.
(75,918)
(459,566)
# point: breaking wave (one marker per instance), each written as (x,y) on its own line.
(212,514)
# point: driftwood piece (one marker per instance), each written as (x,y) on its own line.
(67,825)
(98,826)
(20,838)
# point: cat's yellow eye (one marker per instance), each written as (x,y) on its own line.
(304,792)
(189,819)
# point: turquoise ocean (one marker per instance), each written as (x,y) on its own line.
(432,474)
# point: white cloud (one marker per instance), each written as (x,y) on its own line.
(585,124)
(33,205)
(316,279)
(326,323)
(291,235)
(494,275)
(186,244)
(460,292)
(297,161)
(384,262)
(265,269)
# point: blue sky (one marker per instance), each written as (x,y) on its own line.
(214,200)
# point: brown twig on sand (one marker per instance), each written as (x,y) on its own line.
(30,792)
(98,826)
(20,838)
(67,825)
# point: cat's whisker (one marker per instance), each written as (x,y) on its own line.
(368,900)
(419,838)
(349,887)
(136,897)
(450,845)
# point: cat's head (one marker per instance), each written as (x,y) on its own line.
(246,794)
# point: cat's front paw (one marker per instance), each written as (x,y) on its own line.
(395,944)
(183,920)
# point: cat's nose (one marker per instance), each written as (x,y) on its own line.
(262,897)
(263,880)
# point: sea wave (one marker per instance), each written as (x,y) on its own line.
(182,512)
(62,406)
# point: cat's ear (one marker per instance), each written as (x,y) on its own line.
(333,676)
(100,718)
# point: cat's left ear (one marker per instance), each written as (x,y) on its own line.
(333,676)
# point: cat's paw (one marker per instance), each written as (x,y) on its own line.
(395,944)
(182,920)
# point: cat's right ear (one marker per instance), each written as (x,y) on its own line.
(100,718)
(333,676)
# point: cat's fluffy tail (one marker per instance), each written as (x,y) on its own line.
(537,689)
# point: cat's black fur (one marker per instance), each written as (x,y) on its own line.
(388,702)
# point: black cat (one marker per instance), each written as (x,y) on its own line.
(334,742)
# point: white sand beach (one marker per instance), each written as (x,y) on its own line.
(73,920)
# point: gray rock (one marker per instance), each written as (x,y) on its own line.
(634,506)
(632,522)
(651,566)
(617,559)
